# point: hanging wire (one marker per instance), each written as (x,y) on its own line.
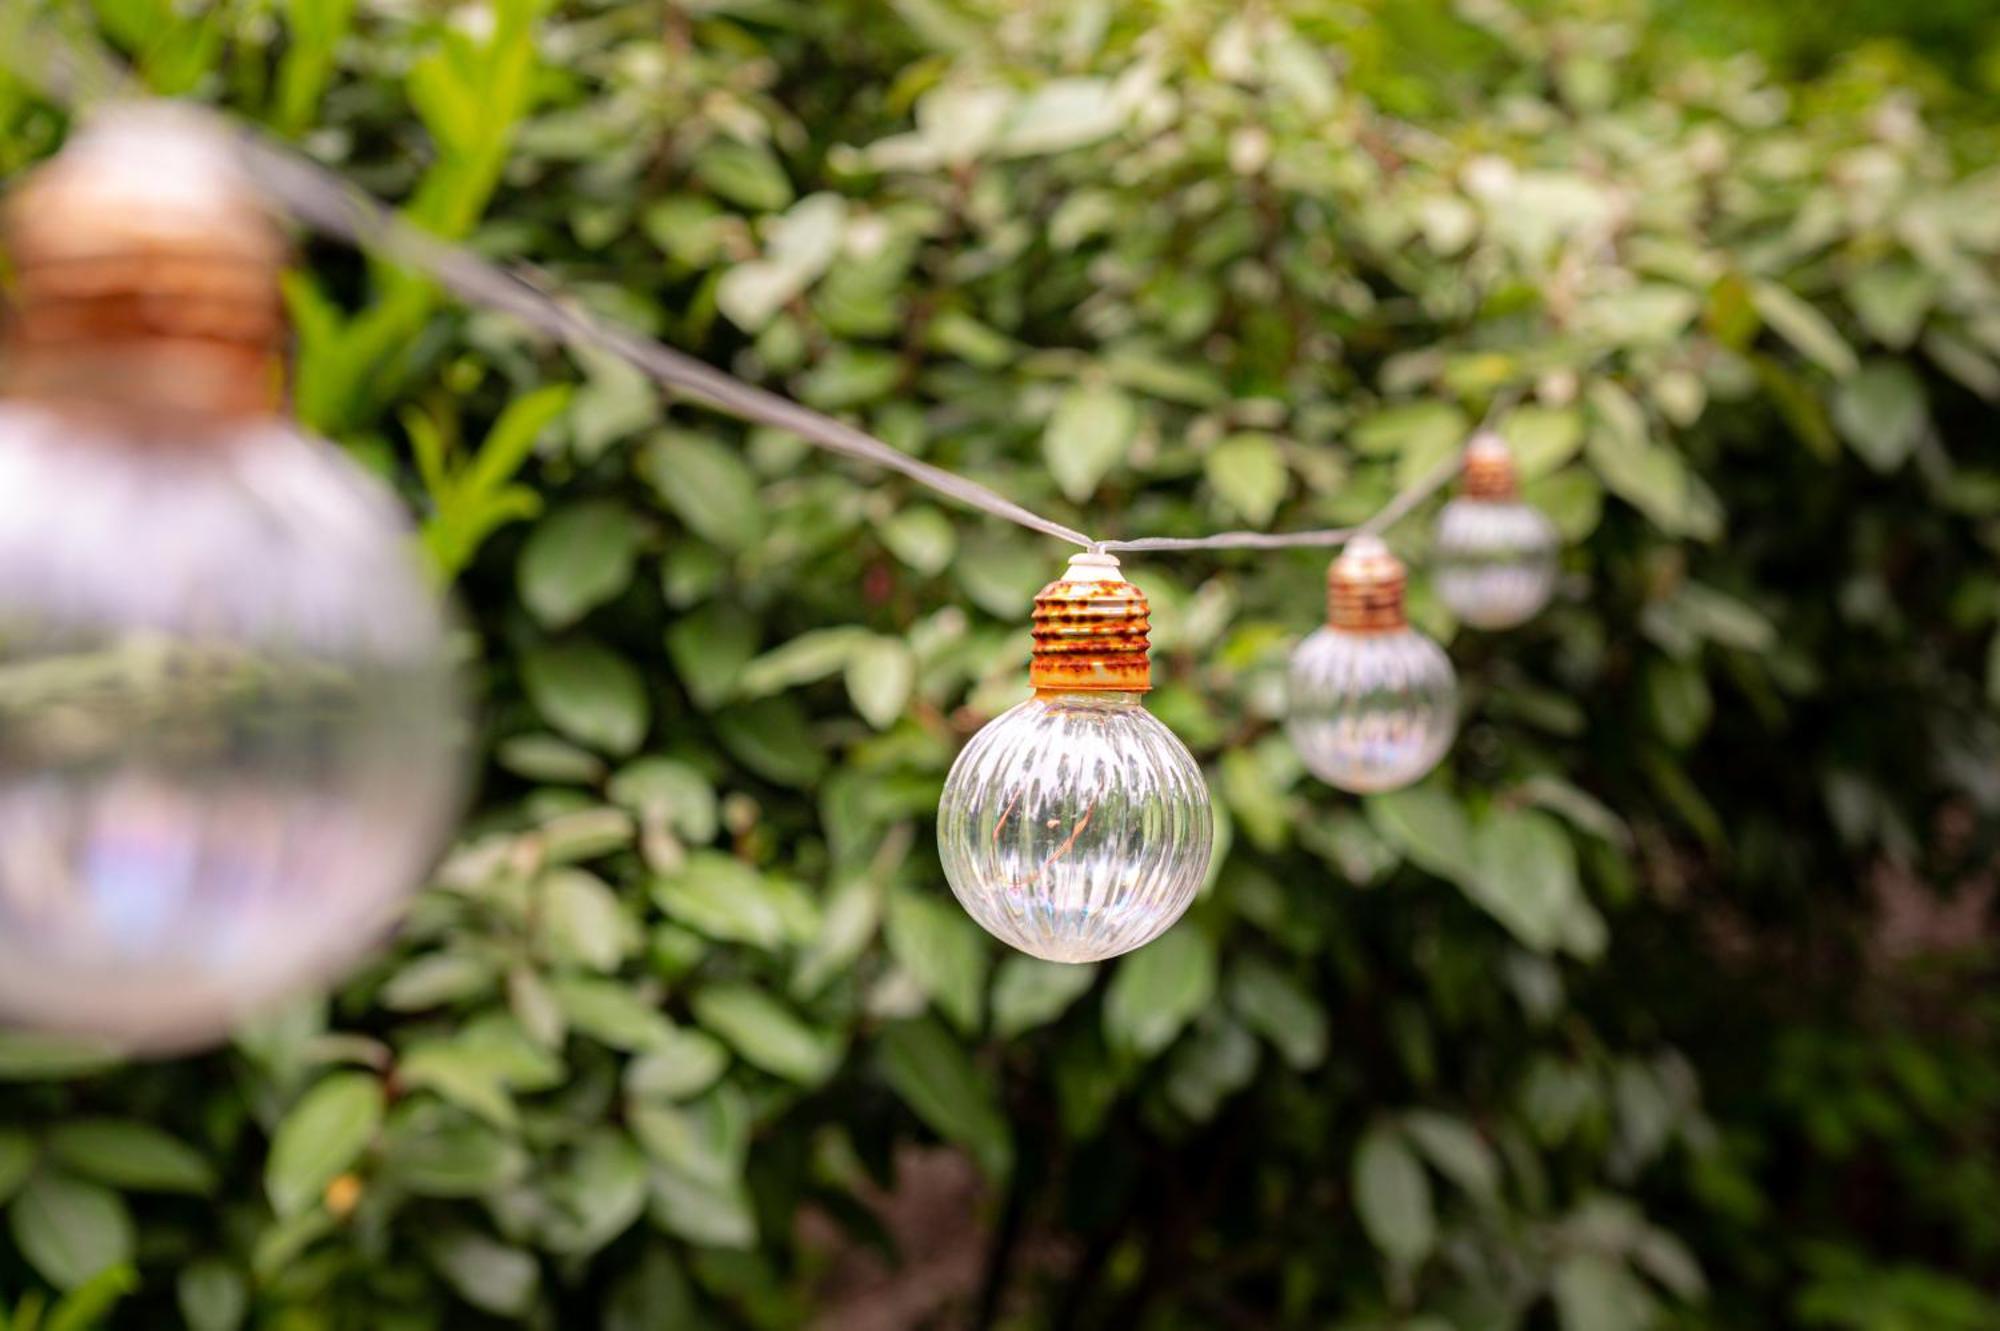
(81,77)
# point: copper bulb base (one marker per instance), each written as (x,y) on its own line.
(1364,589)
(1090,630)
(146,273)
(1489,469)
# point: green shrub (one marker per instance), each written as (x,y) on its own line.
(1601,1028)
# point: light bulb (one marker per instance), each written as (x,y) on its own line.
(1373,703)
(1075,826)
(228,730)
(1494,558)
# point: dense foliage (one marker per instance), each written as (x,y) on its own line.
(1661,1007)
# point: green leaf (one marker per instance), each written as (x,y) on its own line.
(86,1306)
(704,1212)
(17,1160)
(1651,478)
(881,672)
(1525,875)
(1276,1007)
(598,1194)
(131,1155)
(1594,1292)
(615,402)
(1061,114)
(1248,471)
(722,897)
(582,921)
(1542,438)
(1811,333)
(1393,1198)
(940,946)
(652,1293)
(1087,435)
(1157,990)
(709,648)
(70,1230)
(1458,1152)
(1001,576)
(611,1013)
(745,174)
(1891,301)
(921,537)
(459,1076)
(766,1034)
(1427,428)
(706,1139)
(849,377)
(492,1276)
(706,485)
(589,693)
(1678,699)
(672,791)
(813,655)
(1030,992)
(545,758)
(847,926)
(1881,413)
(213,1295)
(1216,1061)
(1964,362)
(432,1149)
(38,1056)
(576,559)
(684,1065)
(438,978)
(933,1076)
(323,1135)
(1428,826)
(773,738)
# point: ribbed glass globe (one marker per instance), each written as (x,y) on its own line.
(1075,826)
(228,730)
(1371,710)
(1494,561)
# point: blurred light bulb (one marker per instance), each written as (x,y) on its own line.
(1373,704)
(1494,559)
(1075,826)
(228,730)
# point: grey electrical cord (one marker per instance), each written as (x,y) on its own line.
(317,197)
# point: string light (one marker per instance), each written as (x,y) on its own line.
(227,730)
(1494,558)
(1373,704)
(1076,826)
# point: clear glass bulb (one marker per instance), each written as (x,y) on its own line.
(1372,704)
(1371,710)
(229,734)
(1075,826)
(1494,561)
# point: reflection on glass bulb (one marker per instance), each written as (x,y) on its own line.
(1075,826)
(1494,562)
(1373,704)
(1371,712)
(227,726)
(228,729)
(1494,559)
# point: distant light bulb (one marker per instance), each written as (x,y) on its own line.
(1373,704)
(1494,558)
(1075,826)
(228,730)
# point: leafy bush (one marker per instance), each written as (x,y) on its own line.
(1633,1017)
